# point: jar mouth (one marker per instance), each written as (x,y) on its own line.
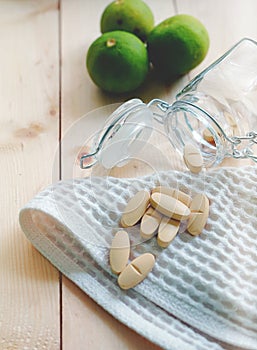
(187,123)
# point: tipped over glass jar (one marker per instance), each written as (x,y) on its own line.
(216,112)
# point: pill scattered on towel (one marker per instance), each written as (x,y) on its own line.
(160,212)
(119,252)
(136,271)
(135,209)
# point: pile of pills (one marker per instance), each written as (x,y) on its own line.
(159,212)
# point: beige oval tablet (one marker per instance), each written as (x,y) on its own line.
(196,223)
(119,251)
(193,158)
(199,214)
(175,193)
(207,135)
(135,208)
(230,119)
(235,130)
(200,203)
(167,231)
(169,206)
(150,223)
(233,123)
(136,271)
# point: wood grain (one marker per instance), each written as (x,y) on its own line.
(43,77)
(29,285)
(79,312)
(83,321)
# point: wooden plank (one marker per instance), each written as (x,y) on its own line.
(227,23)
(225,28)
(80,26)
(29,285)
(29,99)
(83,321)
(86,325)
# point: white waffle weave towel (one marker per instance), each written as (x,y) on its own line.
(202,291)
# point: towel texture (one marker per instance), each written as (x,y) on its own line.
(202,291)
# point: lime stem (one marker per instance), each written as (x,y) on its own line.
(111,42)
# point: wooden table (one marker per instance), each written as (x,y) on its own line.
(44,90)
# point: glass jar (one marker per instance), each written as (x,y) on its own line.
(216,111)
(222,102)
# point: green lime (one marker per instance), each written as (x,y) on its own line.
(132,16)
(117,62)
(177,45)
